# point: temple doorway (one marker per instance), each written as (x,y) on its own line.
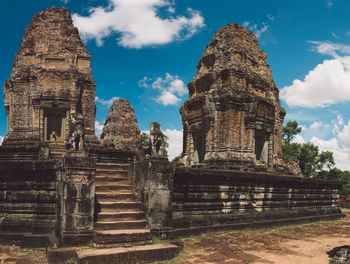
(261,147)
(199,143)
(54,125)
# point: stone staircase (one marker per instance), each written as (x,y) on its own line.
(121,220)
(57,149)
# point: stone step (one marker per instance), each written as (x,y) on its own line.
(120,206)
(132,255)
(111,179)
(116,197)
(114,188)
(112,166)
(103,172)
(127,236)
(120,216)
(118,225)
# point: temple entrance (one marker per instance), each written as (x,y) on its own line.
(199,144)
(261,147)
(54,125)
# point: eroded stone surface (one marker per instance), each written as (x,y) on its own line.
(51,80)
(121,130)
(233,117)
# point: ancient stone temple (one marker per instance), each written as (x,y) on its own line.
(120,129)
(61,187)
(51,82)
(233,117)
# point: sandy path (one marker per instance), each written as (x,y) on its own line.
(310,250)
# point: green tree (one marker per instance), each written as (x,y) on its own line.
(290,130)
(145,142)
(311,162)
(175,161)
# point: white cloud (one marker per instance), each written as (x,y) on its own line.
(270,17)
(138,23)
(341,155)
(1,139)
(175,142)
(171,88)
(298,139)
(255,29)
(334,35)
(329,4)
(98,128)
(344,136)
(328,83)
(65,1)
(106,102)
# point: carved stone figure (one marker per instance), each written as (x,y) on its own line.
(76,132)
(156,140)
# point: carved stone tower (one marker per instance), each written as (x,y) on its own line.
(51,80)
(233,117)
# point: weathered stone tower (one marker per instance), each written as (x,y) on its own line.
(233,117)
(51,80)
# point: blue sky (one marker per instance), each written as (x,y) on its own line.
(147,51)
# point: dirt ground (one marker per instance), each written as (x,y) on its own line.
(297,244)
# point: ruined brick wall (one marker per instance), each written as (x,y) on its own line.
(231,197)
(233,117)
(51,78)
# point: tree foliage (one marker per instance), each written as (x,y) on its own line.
(312,162)
(145,142)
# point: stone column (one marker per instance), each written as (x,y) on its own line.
(75,199)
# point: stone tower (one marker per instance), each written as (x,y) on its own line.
(51,80)
(233,117)
(120,130)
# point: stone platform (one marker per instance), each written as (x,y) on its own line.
(206,200)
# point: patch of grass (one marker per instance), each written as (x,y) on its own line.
(155,240)
(71,261)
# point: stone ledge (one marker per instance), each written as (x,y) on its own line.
(121,255)
(253,225)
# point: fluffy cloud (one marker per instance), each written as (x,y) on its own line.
(1,139)
(341,155)
(98,128)
(254,27)
(328,83)
(138,23)
(106,102)
(338,142)
(171,88)
(175,142)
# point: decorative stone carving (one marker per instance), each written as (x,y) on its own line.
(50,81)
(120,129)
(233,117)
(76,132)
(156,140)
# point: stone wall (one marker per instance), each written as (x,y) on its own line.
(209,198)
(27,200)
